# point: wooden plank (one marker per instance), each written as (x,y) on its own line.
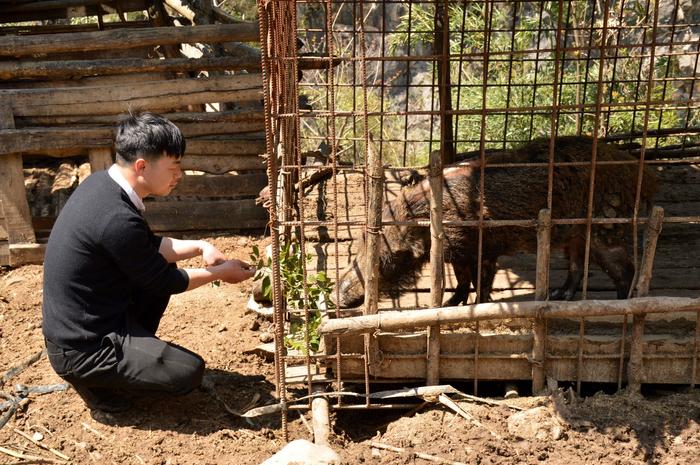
(127,38)
(154,95)
(223,185)
(218,164)
(503,357)
(66,69)
(228,146)
(205,215)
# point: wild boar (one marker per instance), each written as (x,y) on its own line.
(512,193)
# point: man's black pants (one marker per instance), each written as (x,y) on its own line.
(133,358)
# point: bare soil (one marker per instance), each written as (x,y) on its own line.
(663,427)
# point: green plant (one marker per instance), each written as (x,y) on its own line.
(314,295)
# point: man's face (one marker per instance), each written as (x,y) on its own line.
(162,175)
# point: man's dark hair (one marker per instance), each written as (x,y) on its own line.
(147,135)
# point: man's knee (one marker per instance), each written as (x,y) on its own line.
(189,377)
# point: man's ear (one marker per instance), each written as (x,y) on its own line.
(139,166)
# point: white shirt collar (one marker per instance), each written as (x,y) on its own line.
(118,177)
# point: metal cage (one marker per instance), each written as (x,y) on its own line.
(363,98)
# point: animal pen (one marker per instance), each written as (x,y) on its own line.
(407,88)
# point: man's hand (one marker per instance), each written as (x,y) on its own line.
(235,271)
(211,255)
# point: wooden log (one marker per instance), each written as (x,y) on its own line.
(25,29)
(219,164)
(225,185)
(190,123)
(635,365)
(29,140)
(205,215)
(391,321)
(320,418)
(544,230)
(100,159)
(437,264)
(118,99)
(15,69)
(374,229)
(15,208)
(126,38)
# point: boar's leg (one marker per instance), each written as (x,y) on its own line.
(464,280)
(464,274)
(574,251)
(616,263)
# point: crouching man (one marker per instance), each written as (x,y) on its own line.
(108,277)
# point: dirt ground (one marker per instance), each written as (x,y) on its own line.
(663,427)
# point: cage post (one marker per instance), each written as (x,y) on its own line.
(544,230)
(374,228)
(436,263)
(635,366)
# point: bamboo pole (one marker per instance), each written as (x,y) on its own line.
(544,230)
(371,266)
(410,319)
(436,264)
(636,361)
(118,39)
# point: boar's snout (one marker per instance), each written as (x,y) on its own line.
(351,287)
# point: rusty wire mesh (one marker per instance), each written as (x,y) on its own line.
(467,78)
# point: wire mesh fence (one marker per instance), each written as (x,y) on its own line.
(585,109)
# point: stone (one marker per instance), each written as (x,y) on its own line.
(536,423)
(303,452)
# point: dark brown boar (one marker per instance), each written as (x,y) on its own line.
(512,193)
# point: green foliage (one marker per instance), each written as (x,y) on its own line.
(245,10)
(314,296)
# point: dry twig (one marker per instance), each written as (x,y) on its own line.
(401,450)
(43,446)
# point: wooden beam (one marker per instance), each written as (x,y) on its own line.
(126,38)
(17,69)
(17,218)
(153,95)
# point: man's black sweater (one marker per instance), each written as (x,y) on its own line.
(100,251)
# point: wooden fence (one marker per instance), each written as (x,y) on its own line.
(63,87)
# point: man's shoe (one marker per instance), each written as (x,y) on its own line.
(104,399)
